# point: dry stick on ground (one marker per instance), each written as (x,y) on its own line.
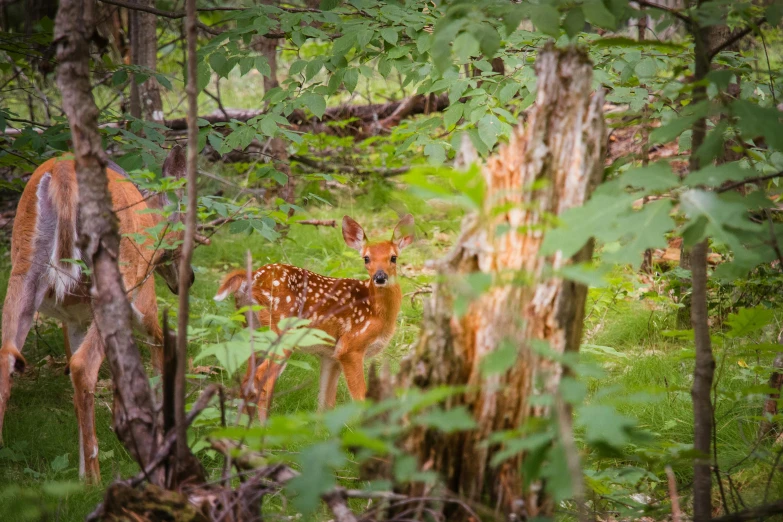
(756,513)
(134,415)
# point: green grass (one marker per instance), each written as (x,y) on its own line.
(650,381)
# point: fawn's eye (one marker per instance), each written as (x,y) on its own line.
(366,260)
(394,259)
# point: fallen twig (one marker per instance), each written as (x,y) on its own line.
(318,222)
(421,291)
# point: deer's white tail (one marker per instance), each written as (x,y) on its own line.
(55,233)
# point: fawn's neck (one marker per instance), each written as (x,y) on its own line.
(385,300)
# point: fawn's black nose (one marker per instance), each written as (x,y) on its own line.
(380,277)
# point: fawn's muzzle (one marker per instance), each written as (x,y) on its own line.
(380,278)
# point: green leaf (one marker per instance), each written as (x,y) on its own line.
(574,22)
(546,19)
(640,230)
(597,14)
(507,92)
(489,128)
(625,42)
(315,103)
(119,77)
(499,360)
(240,138)
(579,224)
(716,175)
(220,64)
(646,68)
(759,121)
(712,146)
(720,216)
(748,321)
(312,68)
(603,424)
(328,5)
(657,177)
(350,79)
(262,65)
(678,125)
(318,464)
(436,153)
(466,47)
(363,38)
(203,77)
(390,35)
(453,115)
(60,463)
(447,421)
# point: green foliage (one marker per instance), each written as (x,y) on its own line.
(629,389)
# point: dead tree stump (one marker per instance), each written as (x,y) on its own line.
(550,165)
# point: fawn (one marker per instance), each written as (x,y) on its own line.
(43,239)
(360,315)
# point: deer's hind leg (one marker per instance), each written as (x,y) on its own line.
(85,363)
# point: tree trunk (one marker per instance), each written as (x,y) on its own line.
(145,97)
(134,417)
(704,370)
(561,153)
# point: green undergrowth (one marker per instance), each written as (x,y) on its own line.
(39,464)
(647,376)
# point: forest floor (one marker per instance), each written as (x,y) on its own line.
(643,373)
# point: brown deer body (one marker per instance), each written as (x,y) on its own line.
(45,234)
(360,316)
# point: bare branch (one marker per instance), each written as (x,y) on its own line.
(672,11)
(749,180)
(175,15)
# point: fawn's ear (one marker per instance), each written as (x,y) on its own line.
(353,234)
(403,232)
(175,165)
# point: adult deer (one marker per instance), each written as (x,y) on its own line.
(360,315)
(45,278)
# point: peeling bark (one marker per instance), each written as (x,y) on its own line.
(561,150)
(99,240)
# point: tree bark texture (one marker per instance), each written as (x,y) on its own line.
(134,419)
(145,97)
(184,458)
(704,369)
(703,375)
(549,166)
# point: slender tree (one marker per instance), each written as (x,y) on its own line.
(134,417)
